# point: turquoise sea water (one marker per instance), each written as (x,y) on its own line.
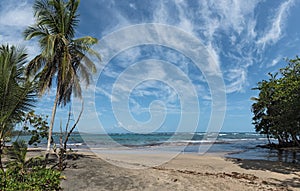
(235,144)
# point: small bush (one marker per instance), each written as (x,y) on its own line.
(32,180)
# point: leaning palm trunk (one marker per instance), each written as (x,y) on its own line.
(1,152)
(52,122)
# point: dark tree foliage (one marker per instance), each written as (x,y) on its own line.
(277,108)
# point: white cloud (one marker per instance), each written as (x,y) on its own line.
(275,61)
(234,18)
(132,5)
(15,16)
(185,23)
(275,30)
(161,13)
(16,13)
(238,79)
(226,16)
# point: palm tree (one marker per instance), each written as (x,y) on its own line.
(17,94)
(62,57)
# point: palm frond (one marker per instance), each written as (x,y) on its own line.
(18,151)
(61,58)
(35,31)
(35,65)
(17,93)
(71,20)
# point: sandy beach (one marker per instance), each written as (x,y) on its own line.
(184,172)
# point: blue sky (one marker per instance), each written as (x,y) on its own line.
(159,86)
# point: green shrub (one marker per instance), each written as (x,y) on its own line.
(32,180)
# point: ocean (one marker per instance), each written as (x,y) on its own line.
(231,144)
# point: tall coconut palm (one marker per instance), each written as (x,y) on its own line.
(17,94)
(62,57)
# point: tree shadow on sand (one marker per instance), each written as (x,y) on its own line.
(273,166)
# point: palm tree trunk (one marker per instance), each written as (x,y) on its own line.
(52,123)
(268,137)
(1,152)
(1,149)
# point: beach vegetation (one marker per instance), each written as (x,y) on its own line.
(27,174)
(60,149)
(63,59)
(277,108)
(36,179)
(17,93)
(17,99)
(34,125)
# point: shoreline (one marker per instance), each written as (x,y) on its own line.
(235,145)
(183,172)
(256,152)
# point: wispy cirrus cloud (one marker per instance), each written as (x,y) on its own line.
(16,13)
(275,61)
(274,31)
(243,45)
(230,30)
(209,22)
(15,16)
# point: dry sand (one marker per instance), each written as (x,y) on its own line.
(184,172)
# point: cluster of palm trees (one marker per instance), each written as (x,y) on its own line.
(62,64)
